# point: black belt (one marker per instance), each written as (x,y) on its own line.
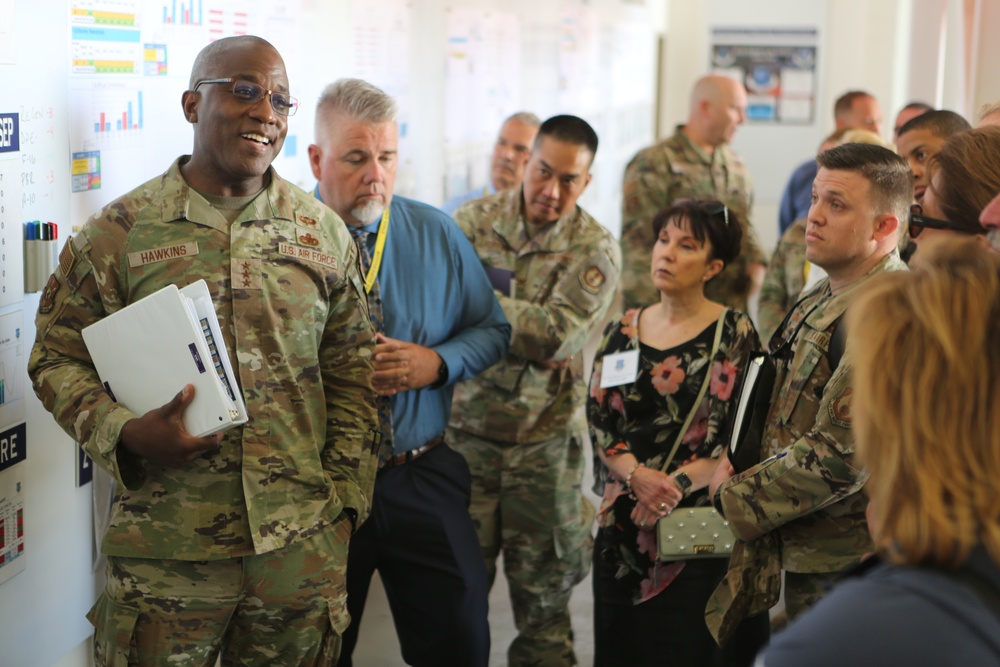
(406,457)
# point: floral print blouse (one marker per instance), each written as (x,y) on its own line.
(644,417)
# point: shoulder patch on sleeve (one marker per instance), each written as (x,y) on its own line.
(592,278)
(840,409)
(588,286)
(48,299)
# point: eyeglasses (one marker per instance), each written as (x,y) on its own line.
(710,207)
(251,93)
(919,221)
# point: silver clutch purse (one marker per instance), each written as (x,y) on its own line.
(693,532)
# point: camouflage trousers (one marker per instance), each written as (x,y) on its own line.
(286,607)
(803,590)
(528,505)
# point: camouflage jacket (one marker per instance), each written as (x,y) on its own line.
(564,278)
(677,169)
(806,490)
(286,283)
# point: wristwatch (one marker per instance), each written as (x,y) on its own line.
(684,482)
(442,375)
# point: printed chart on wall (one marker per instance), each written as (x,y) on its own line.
(129,65)
(482,87)
(380,54)
(13,446)
(13,452)
(777,66)
(11,229)
(12,363)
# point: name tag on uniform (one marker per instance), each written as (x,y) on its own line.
(619,368)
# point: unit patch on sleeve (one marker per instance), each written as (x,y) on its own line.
(840,409)
(49,295)
(592,278)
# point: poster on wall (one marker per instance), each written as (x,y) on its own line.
(12,364)
(777,66)
(11,229)
(13,452)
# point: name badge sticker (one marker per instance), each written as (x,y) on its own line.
(619,368)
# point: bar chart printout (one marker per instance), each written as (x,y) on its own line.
(182,13)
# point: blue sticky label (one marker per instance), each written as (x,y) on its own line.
(10,135)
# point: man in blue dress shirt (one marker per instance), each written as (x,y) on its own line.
(438,323)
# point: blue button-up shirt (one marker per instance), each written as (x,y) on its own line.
(452,204)
(435,293)
(797,198)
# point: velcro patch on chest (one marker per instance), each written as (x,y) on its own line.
(307,238)
(179,251)
(308,255)
(245,273)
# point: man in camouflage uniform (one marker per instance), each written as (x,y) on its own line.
(234,542)
(519,424)
(801,506)
(789,275)
(695,163)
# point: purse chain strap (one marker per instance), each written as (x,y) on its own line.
(704,388)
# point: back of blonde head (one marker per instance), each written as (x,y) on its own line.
(926,351)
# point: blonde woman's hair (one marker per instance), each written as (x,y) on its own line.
(925,347)
(856,135)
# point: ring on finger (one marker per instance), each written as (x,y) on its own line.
(663,507)
(642,524)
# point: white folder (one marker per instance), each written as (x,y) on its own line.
(146,352)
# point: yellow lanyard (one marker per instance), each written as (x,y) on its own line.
(383,231)
(486,191)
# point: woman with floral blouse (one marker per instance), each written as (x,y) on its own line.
(654,361)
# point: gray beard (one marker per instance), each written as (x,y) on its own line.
(993,236)
(368,212)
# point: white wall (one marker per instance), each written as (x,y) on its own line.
(986,89)
(861,44)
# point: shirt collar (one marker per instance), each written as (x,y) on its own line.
(179,201)
(512,225)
